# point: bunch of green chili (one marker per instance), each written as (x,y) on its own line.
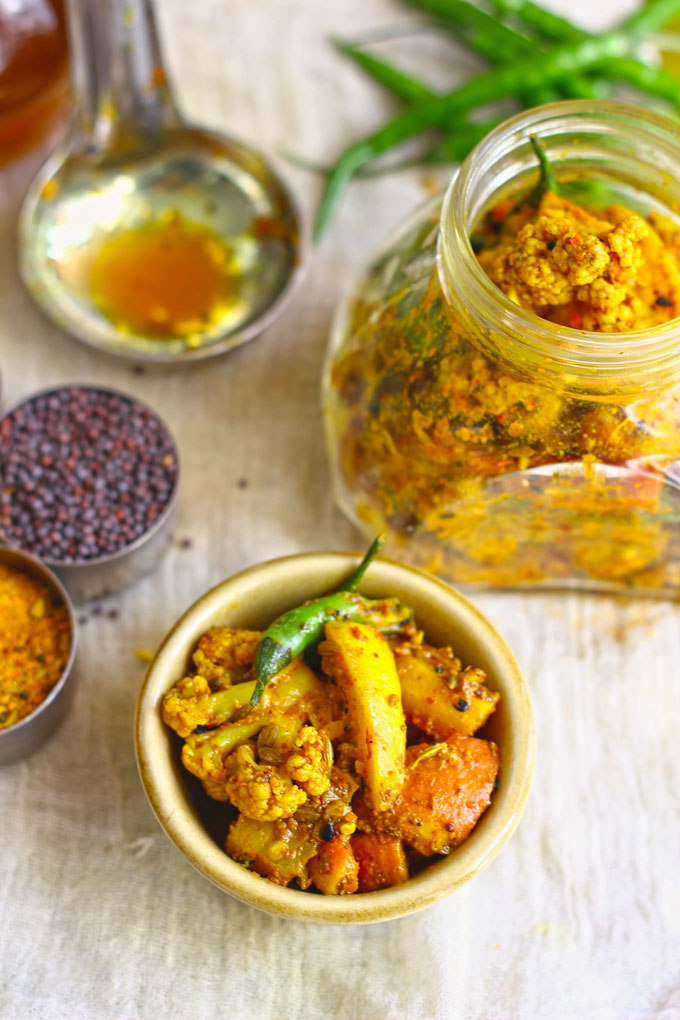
(535,55)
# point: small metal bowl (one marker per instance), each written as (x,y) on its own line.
(30,733)
(101,576)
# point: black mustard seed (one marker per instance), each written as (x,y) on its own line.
(84,472)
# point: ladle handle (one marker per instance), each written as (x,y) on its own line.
(121,97)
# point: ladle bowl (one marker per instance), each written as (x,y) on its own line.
(130,161)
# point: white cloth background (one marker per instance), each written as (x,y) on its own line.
(100,917)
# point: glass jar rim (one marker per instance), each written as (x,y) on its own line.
(585,357)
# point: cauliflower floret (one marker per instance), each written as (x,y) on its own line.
(215,788)
(548,259)
(203,757)
(610,307)
(310,766)
(623,243)
(262,792)
(558,260)
(526,269)
(187,705)
(223,653)
(579,257)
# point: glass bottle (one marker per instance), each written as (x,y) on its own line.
(493,447)
(33,72)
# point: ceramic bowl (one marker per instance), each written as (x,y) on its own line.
(253,599)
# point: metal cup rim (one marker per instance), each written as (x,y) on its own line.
(36,566)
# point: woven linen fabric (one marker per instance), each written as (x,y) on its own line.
(100,917)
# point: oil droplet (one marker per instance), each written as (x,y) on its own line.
(169,278)
(50,190)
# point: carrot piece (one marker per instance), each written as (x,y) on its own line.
(334,870)
(448,786)
(381,860)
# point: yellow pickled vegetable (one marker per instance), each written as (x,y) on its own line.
(361,662)
(438,696)
(279,850)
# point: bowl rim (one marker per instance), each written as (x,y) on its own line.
(159,778)
(36,566)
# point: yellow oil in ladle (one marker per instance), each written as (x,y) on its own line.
(168,278)
(143,228)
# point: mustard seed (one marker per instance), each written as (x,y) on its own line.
(84,472)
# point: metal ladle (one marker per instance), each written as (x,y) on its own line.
(129,160)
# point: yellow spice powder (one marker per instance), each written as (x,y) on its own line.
(35,640)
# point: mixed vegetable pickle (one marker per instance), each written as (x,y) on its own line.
(356,764)
(606,271)
(487,475)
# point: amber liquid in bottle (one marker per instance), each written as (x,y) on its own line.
(33,72)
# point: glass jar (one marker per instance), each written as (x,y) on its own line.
(33,73)
(495,448)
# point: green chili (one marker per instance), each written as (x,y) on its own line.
(289,635)
(527,75)
(547,181)
(545,23)
(489,37)
(460,138)
(650,17)
(486,88)
(493,40)
(499,44)
(296,630)
(354,579)
(652,80)
(401,85)
(643,22)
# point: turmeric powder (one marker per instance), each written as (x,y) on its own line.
(35,641)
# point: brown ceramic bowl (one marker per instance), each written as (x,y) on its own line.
(253,599)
